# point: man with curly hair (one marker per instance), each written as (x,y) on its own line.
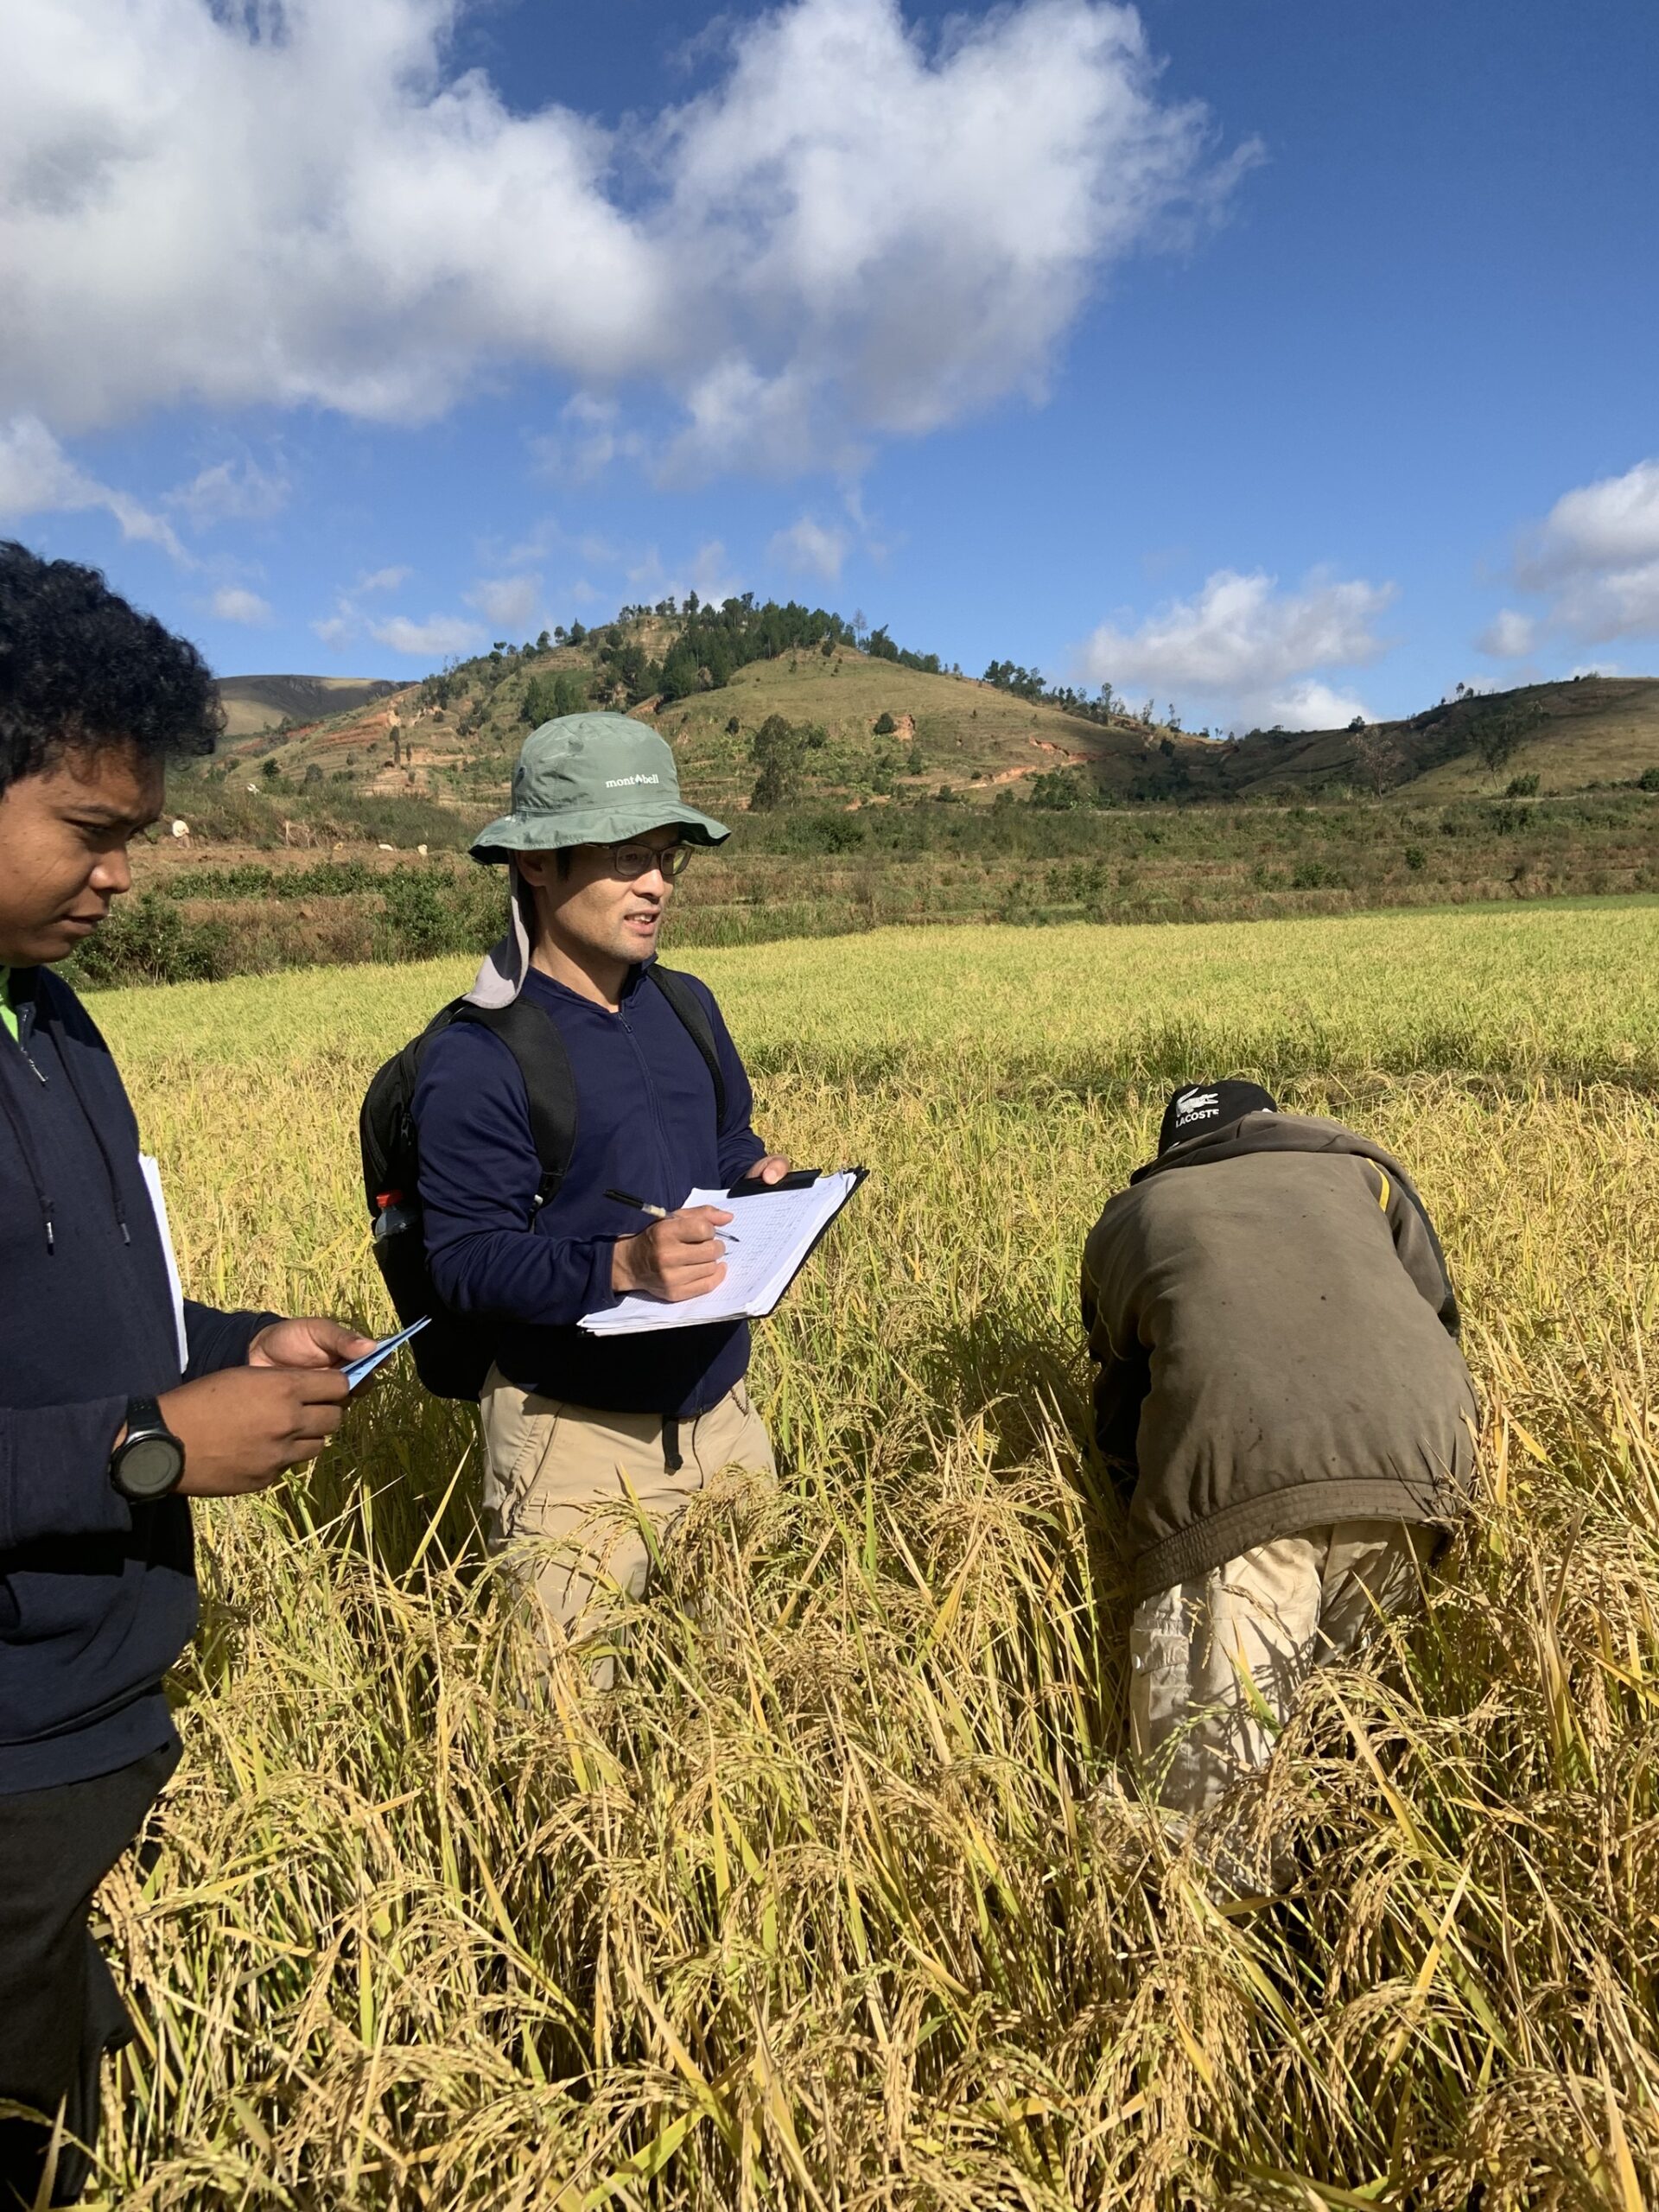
(117,1402)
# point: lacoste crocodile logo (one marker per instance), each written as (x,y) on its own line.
(1196,1105)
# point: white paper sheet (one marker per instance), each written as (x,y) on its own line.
(152,1174)
(359,1370)
(770,1235)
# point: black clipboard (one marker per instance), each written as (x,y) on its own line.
(799,1180)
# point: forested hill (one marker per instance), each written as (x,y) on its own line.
(771,705)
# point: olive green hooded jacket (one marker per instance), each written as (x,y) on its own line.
(1276,1334)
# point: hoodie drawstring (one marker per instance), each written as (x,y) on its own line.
(31,1160)
(26,1144)
(67,1061)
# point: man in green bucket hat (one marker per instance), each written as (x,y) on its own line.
(586,1434)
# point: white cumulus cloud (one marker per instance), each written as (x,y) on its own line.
(589,438)
(435,638)
(232,604)
(231,491)
(37,476)
(384,579)
(711,578)
(509,602)
(861,227)
(807,547)
(1611,525)
(1242,647)
(1592,563)
(1509,635)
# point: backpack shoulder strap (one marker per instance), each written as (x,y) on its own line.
(676,988)
(533,1039)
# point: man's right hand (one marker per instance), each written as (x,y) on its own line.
(680,1256)
(243,1427)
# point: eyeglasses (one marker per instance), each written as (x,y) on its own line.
(632,861)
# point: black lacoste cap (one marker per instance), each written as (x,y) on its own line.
(1203,1106)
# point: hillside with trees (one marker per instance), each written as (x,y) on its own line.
(868,784)
(777,705)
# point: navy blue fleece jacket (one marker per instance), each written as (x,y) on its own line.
(646,1124)
(98,1596)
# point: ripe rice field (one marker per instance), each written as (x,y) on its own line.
(844,1897)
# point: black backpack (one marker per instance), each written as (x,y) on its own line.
(454,1354)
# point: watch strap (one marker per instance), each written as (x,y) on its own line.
(144,1417)
(146,1425)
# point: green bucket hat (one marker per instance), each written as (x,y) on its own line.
(593,780)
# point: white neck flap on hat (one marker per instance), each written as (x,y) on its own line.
(501,972)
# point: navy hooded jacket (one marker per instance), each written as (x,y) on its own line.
(646,1124)
(98,1595)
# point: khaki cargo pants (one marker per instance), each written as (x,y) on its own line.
(566,1487)
(1216,1663)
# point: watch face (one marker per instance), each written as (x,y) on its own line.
(150,1465)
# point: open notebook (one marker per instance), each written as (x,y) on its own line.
(774,1232)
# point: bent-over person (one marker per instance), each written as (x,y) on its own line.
(1282,1400)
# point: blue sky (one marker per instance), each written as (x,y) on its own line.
(1279,357)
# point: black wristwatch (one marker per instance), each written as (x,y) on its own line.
(149,1461)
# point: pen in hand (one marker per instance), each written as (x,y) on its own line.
(640,1205)
(657,1213)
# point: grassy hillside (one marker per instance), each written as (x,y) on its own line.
(847,1896)
(873,730)
(253,703)
(1572,735)
(949,732)
(1603,729)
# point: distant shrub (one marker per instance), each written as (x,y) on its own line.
(1647,781)
(148,940)
(885,725)
(1315,875)
(824,833)
(1056,789)
(1522,787)
(1415,857)
(247,880)
(428,911)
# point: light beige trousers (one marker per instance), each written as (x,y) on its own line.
(570,1490)
(1216,1663)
